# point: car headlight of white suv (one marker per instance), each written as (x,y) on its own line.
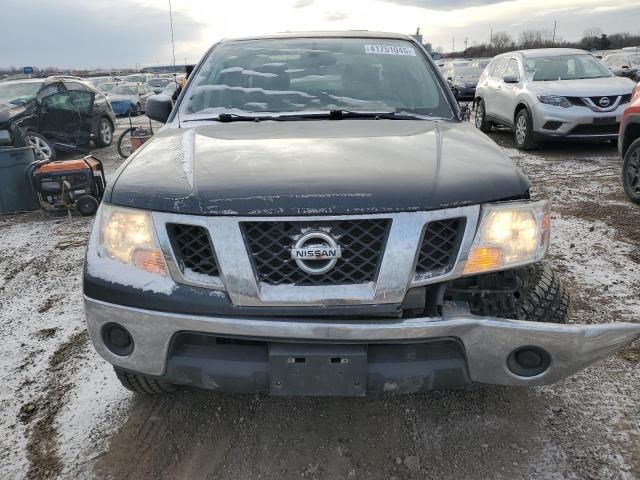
(554,100)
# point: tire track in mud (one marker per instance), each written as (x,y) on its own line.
(39,415)
(179,435)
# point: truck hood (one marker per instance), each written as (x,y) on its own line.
(593,87)
(316,168)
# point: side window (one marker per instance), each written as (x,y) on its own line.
(512,68)
(500,68)
(70,100)
(49,90)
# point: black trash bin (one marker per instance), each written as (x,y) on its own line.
(16,194)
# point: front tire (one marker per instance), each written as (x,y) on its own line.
(631,172)
(42,149)
(543,297)
(142,384)
(104,138)
(523,130)
(480,117)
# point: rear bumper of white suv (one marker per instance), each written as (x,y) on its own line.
(575,121)
(249,353)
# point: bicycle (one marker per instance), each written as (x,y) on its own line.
(132,138)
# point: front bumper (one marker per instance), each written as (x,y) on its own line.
(576,122)
(487,342)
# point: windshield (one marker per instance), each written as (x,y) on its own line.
(107,87)
(466,71)
(480,63)
(315,75)
(564,67)
(170,88)
(135,78)
(18,93)
(125,89)
(158,82)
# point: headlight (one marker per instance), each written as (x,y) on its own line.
(127,235)
(554,100)
(509,235)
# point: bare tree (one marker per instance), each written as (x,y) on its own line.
(502,40)
(530,39)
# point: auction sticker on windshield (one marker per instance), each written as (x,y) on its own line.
(389,50)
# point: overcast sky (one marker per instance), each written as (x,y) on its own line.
(126,33)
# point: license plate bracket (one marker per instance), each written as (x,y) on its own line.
(604,120)
(317,370)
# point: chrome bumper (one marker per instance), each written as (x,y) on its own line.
(488,341)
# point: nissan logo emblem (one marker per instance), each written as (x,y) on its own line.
(604,102)
(316,252)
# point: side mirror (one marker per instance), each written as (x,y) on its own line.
(510,79)
(626,67)
(159,107)
(449,78)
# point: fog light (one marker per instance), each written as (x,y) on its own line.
(529,361)
(117,339)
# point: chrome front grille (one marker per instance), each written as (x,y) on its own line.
(439,247)
(362,242)
(383,255)
(193,249)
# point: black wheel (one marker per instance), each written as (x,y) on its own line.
(542,297)
(523,130)
(142,384)
(124,142)
(631,172)
(104,136)
(480,117)
(42,149)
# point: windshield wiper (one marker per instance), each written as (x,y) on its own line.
(336,114)
(232,117)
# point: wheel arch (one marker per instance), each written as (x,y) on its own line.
(519,107)
(630,133)
(104,115)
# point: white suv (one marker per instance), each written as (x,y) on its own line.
(551,92)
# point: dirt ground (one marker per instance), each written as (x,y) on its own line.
(66,416)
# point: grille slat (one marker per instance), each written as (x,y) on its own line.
(193,249)
(362,241)
(439,247)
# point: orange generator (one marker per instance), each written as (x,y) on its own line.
(69,184)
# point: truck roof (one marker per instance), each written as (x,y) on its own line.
(327,34)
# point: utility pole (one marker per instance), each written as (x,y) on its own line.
(466,42)
(491,38)
(453,44)
(553,39)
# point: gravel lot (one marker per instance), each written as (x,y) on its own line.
(65,415)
